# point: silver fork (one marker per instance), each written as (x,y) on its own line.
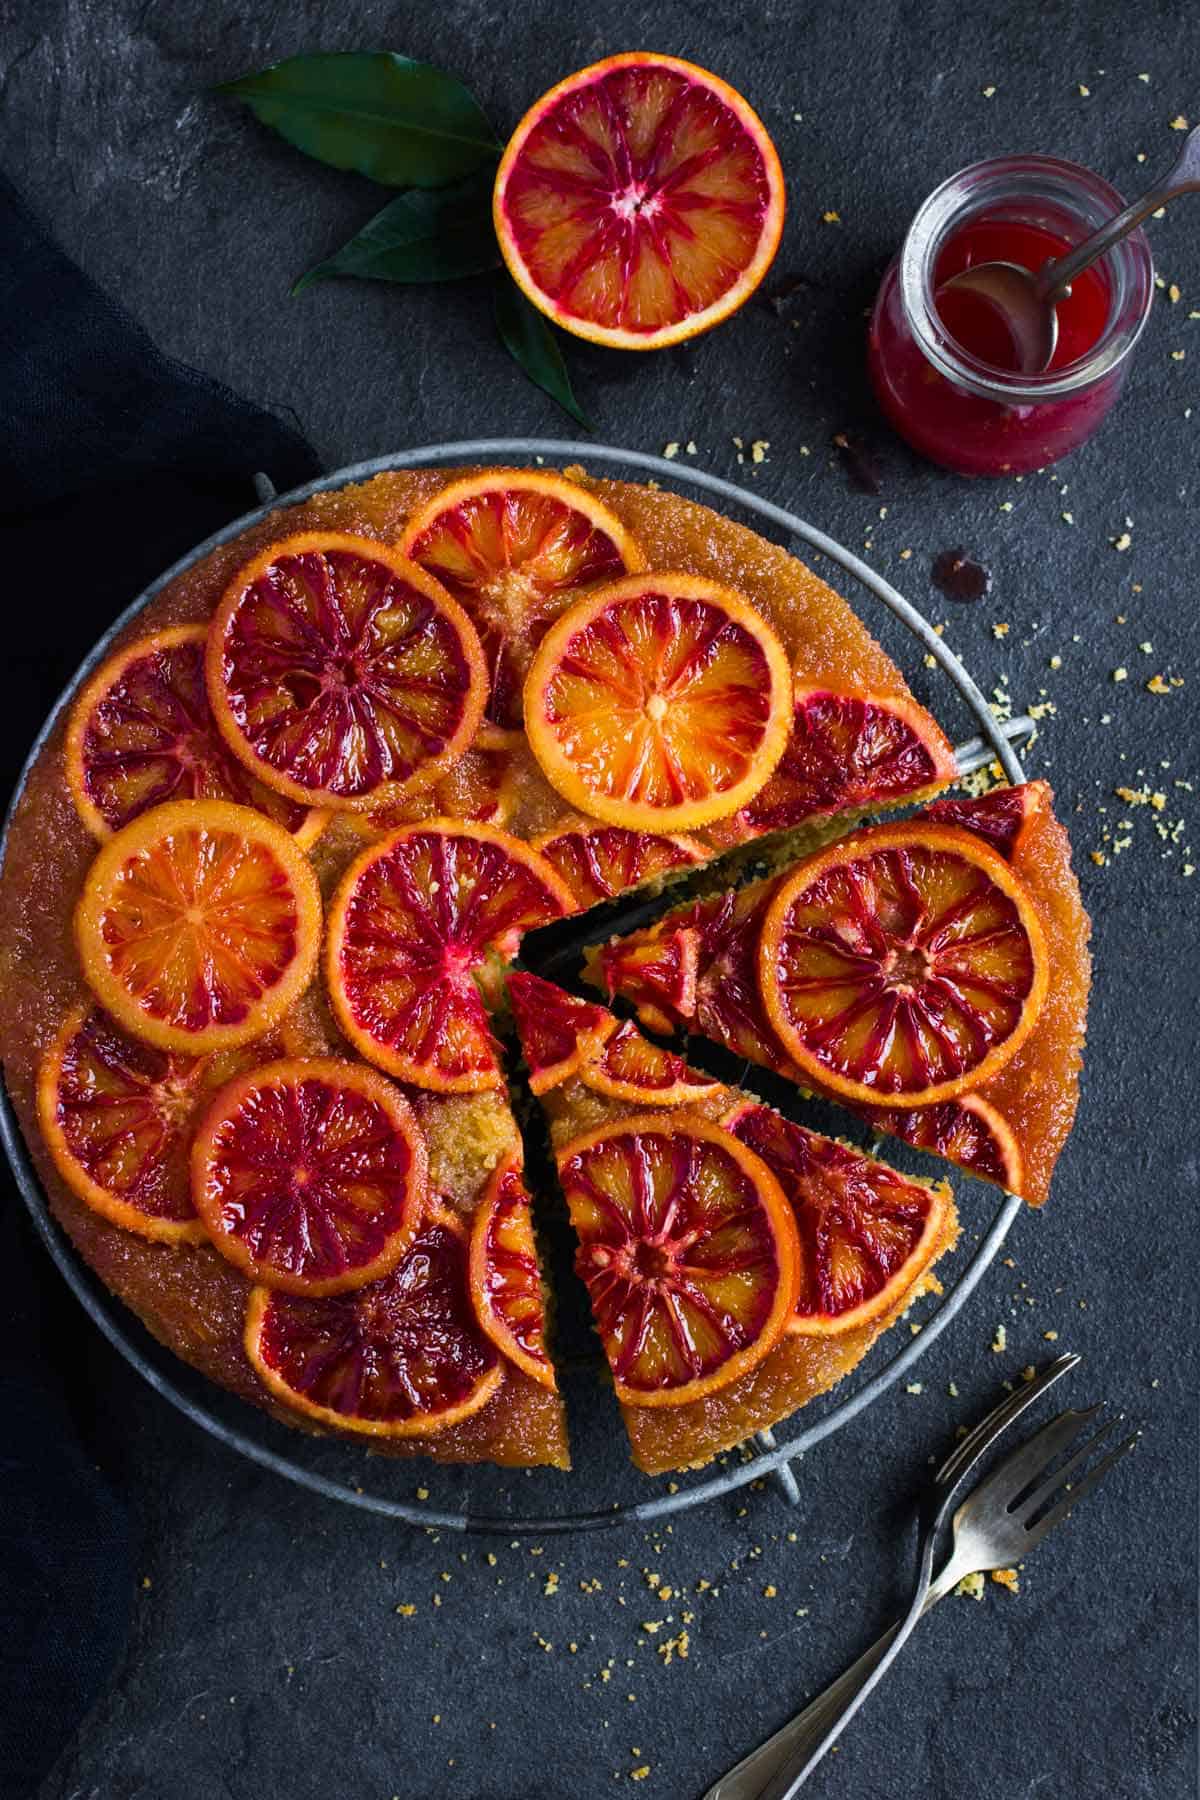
(997,1525)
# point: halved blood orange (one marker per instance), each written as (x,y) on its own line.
(968,1131)
(629,1067)
(198,925)
(515,547)
(401,1357)
(639,202)
(688,1249)
(418,923)
(659,702)
(903,964)
(143,733)
(656,974)
(598,862)
(310,1174)
(866,1233)
(480,788)
(850,751)
(117,1117)
(340,673)
(506,1283)
(557,1031)
(999,816)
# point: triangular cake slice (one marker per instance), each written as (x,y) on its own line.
(932,975)
(737,1263)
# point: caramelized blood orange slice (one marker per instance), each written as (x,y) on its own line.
(656,974)
(506,1284)
(867,1234)
(903,964)
(481,788)
(628,1067)
(143,733)
(402,1357)
(199,924)
(968,1131)
(659,702)
(310,1174)
(338,672)
(557,1031)
(598,862)
(850,751)
(515,548)
(689,1251)
(417,923)
(639,202)
(999,816)
(117,1117)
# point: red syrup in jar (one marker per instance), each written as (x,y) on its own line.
(981,328)
(986,418)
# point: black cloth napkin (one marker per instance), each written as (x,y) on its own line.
(114,461)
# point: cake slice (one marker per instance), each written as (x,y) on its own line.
(932,975)
(737,1263)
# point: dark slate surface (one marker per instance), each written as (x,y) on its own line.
(269,1654)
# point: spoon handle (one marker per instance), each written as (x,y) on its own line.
(1183,177)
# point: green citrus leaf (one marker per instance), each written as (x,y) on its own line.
(420,236)
(530,340)
(401,122)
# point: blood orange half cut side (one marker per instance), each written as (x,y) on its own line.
(143,733)
(867,1234)
(557,1031)
(903,964)
(1000,816)
(199,924)
(310,1175)
(688,1249)
(117,1116)
(847,752)
(339,672)
(514,548)
(639,202)
(418,922)
(402,1357)
(598,862)
(660,702)
(968,1131)
(506,1283)
(629,1067)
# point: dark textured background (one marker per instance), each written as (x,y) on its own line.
(268,1654)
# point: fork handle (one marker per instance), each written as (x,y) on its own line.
(748,1778)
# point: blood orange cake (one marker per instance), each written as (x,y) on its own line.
(931,975)
(737,1263)
(264,879)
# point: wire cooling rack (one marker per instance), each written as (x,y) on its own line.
(488,1500)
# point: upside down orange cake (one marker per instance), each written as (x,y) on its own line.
(264,883)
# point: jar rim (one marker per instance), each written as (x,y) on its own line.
(1129,262)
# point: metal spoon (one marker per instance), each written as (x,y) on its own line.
(1029,302)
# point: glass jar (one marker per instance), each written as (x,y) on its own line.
(972,415)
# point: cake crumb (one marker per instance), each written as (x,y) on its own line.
(914,1387)
(831,218)
(1000,1341)
(671,450)
(1120,674)
(1156,685)
(971,1587)
(1007,1578)
(406,1610)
